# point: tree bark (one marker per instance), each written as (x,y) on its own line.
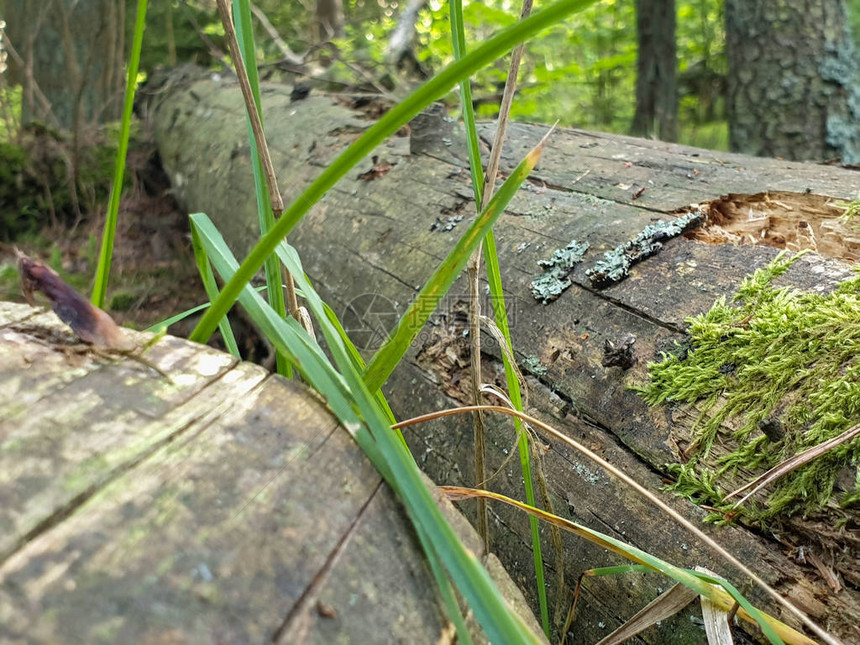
(373,240)
(656,87)
(792,83)
(328,20)
(71,52)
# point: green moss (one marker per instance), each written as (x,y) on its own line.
(122,301)
(851,216)
(38,186)
(781,367)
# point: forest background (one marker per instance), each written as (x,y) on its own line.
(58,135)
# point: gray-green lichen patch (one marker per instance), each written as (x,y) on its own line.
(533,365)
(616,263)
(554,280)
(779,368)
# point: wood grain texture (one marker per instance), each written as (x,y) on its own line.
(215,507)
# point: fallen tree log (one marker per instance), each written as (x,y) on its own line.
(210,503)
(372,241)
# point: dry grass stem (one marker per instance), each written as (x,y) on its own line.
(792,464)
(277,203)
(651,497)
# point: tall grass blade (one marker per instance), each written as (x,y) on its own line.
(432,90)
(211,287)
(182,315)
(458,38)
(408,327)
(106,252)
(473,266)
(497,296)
(265,214)
(358,412)
(359,364)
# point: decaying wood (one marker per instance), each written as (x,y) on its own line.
(223,506)
(383,233)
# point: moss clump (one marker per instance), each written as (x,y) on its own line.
(122,301)
(43,181)
(782,367)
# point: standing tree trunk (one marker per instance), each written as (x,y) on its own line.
(328,21)
(70,52)
(792,83)
(656,87)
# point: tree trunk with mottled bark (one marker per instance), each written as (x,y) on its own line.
(792,82)
(656,86)
(71,55)
(328,20)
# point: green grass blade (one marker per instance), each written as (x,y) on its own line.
(500,315)
(359,363)
(167,322)
(469,576)
(434,89)
(106,253)
(356,408)
(285,333)
(408,327)
(617,570)
(164,324)
(265,215)
(452,607)
(499,309)
(476,167)
(211,287)
(736,595)
(698,582)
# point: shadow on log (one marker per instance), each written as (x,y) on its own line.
(372,241)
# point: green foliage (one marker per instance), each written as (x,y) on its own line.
(342,386)
(103,268)
(581,72)
(851,216)
(781,366)
(10,106)
(36,187)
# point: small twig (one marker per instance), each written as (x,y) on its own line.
(475,369)
(253,113)
(275,200)
(288,54)
(214,51)
(504,114)
(473,269)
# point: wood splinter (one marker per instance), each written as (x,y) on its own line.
(89,323)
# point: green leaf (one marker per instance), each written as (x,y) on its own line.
(211,287)
(408,327)
(431,91)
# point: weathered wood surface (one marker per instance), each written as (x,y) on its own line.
(223,506)
(383,232)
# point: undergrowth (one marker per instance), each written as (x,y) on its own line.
(780,367)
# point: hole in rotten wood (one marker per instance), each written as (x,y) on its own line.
(784,220)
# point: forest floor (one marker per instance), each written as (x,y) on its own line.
(153,272)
